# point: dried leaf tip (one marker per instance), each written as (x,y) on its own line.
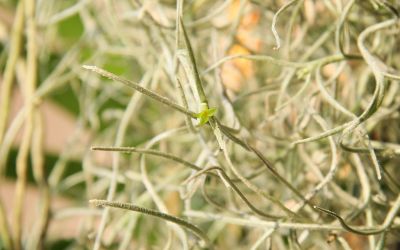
(89,67)
(96,202)
(103,72)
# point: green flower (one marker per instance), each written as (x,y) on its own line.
(205,113)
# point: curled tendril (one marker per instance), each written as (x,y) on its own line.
(346,226)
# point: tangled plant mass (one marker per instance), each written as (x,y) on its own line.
(238,124)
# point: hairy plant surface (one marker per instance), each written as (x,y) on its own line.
(231,124)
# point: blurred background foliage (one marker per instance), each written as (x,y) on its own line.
(53,111)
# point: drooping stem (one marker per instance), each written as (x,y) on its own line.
(127,206)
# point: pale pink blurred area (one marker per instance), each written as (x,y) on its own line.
(59,124)
(60,127)
(62,228)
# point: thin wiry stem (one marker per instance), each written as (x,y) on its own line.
(339,29)
(199,84)
(9,138)
(275,19)
(268,121)
(392,76)
(22,158)
(278,176)
(308,66)
(299,93)
(121,132)
(178,159)
(365,185)
(333,165)
(225,177)
(265,236)
(153,193)
(265,58)
(258,223)
(9,71)
(279,62)
(377,70)
(147,151)
(376,67)
(377,230)
(142,90)
(213,203)
(332,101)
(253,187)
(293,16)
(186,106)
(390,7)
(41,226)
(316,170)
(127,206)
